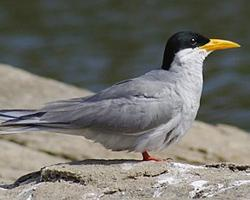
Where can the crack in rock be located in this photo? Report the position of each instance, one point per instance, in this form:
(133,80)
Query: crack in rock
(146,174)
(230,166)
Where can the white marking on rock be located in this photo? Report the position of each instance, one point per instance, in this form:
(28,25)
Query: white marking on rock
(162,182)
(198,186)
(157,193)
(92,196)
(127,166)
(241,182)
(28,193)
(185,167)
(30,197)
(211,190)
(231,186)
(220,185)
(177,175)
(166,178)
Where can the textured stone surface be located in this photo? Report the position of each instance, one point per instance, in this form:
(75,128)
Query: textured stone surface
(131,179)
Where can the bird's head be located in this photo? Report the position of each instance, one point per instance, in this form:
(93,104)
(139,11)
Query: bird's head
(191,47)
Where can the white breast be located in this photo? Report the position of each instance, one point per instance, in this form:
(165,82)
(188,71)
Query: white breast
(188,64)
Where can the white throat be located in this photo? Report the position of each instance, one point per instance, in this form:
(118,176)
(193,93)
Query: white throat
(188,67)
(189,60)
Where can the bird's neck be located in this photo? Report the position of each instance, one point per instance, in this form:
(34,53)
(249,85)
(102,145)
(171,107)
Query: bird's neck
(189,62)
(188,67)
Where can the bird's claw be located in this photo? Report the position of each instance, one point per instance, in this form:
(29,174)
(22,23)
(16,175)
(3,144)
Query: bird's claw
(147,157)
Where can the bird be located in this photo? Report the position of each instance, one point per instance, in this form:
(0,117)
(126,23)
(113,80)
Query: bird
(141,114)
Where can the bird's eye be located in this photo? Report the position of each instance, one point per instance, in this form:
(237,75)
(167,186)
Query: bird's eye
(193,41)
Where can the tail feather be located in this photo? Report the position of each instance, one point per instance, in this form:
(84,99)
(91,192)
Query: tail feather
(32,118)
(13,114)
(14,121)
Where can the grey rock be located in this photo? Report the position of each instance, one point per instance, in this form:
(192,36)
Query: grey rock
(16,160)
(132,179)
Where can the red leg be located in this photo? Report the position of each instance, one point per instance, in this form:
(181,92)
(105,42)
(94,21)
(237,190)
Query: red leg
(147,157)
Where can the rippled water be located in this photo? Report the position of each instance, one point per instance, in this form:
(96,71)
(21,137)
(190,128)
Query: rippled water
(93,44)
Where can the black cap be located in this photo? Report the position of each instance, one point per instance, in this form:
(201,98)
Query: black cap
(179,41)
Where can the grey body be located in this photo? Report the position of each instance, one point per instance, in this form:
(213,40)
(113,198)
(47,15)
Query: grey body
(145,113)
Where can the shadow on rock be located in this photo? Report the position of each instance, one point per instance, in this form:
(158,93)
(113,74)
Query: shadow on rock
(104,162)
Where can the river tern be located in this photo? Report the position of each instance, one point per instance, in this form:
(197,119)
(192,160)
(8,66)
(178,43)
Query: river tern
(142,114)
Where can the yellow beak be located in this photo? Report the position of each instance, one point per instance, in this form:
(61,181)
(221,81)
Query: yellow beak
(216,44)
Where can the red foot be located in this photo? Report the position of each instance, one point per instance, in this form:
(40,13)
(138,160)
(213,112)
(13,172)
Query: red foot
(147,157)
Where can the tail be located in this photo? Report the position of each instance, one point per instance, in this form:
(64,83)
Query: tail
(15,121)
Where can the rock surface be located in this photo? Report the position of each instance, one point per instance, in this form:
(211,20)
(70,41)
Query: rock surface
(25,153)
(131,179)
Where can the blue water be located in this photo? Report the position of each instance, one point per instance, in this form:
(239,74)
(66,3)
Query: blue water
(93,44)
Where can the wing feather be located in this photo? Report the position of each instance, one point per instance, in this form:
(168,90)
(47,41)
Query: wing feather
(127,108)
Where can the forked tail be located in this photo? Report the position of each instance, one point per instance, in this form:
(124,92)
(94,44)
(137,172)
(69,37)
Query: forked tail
(14,121)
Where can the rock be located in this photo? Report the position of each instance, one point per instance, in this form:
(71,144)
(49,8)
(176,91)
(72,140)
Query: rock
(17,160)
(132,179)
(24,153)
(20,89)
(206,143)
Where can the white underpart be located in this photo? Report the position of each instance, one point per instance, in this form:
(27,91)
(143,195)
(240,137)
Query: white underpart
(188,64)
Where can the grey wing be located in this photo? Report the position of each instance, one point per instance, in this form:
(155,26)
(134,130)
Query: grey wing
(122,117)
(131,107)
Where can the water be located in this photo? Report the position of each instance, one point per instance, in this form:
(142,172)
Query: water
(93,44)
